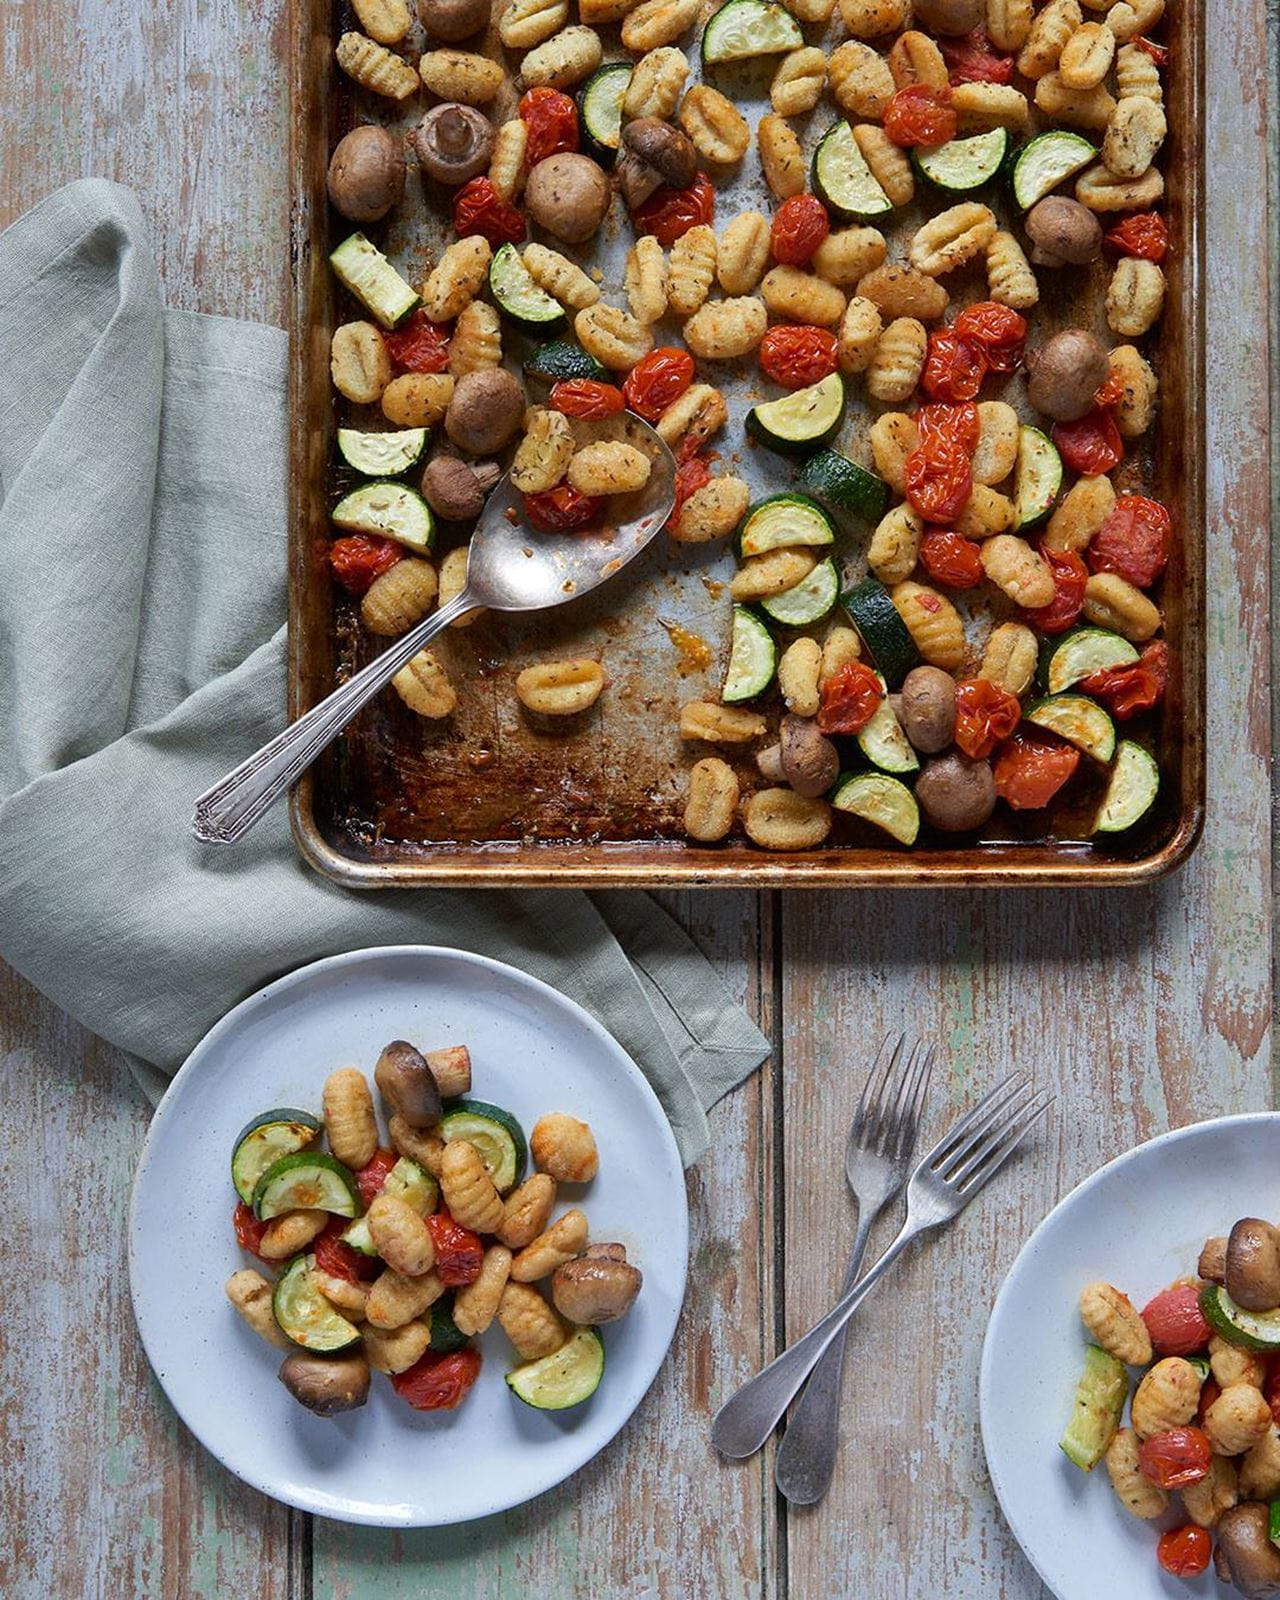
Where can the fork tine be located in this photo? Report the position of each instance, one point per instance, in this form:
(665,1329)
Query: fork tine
(987,1131)
(910,1129)
(871,1102)
(954,1136)
(905,1120)
(1001,1152)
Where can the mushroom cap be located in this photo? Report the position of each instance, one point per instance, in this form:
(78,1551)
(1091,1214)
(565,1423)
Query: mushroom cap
(668,151)
(453,142)
(1064,232)
(327,1385)
(406,1082)
(1253,1265)
(595,1289)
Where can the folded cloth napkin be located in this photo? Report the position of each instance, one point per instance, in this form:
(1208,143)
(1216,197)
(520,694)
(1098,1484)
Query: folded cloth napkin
(142,547)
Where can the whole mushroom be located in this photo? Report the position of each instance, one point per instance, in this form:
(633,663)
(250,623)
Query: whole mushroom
(810,762)
(568,195)
(456,491)
(408,1085)
(653,152)
(950,16)
(1063,232)
(366,174)
(1066,373)
(1253,1264)
(452,20)
(928,708)
(600,1286)
(955,793)
(453,143)
(327,1385)
(486,410)
(1245,1554)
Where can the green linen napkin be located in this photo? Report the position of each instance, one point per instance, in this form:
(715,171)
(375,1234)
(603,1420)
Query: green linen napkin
(142,547)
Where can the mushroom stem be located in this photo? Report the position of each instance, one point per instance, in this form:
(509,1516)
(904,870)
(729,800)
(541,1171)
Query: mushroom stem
(452,131)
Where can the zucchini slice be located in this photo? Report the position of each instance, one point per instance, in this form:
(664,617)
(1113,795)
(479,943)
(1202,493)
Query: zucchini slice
(844,486)
(883,631)
(813,598)
(881,800)
(1096,1409)
(366,273)
(1037,478)
(1082,651)
(446,1335)
(781,521)
(382,455)
(1135,782)
(843,181)
(569,1375)
(308,1180)
(518,297)
(1251,1330)
(1043,163)
(262,1142)
(600,106)
(1080,721)
(963,165)
(305,1316)
(745,28)
(884,743)
(802,420)
(496,1135)
(406,1181)
(753,658)
(559,361)
(391,509)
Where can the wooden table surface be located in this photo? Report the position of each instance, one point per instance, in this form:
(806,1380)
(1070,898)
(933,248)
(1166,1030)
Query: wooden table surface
(1145,1010)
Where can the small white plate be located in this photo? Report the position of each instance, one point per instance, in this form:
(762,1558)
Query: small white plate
(1139,1223)
(532,1051)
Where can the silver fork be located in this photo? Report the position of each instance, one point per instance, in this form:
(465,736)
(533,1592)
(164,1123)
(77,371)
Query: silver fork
(877,1157)
(962,1162)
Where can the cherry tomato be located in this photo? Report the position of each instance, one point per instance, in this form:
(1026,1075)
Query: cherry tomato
(1185,1552)
(551,122)
(358,559)
(1091,445)
(479,208)
(1069,576)
(692,473)
(920,116)
(249,1230)
(850,698)
(797,356)
(1111,392)
(986,714)
(938,480)
(586,397)
(418,345)
(562,509)
(1133,541)
(1270,1387)
(800,224)
(438,1382)
(669,213)
(954,368)
(1157,52)
(459,1252)
(339,1259)
(950,559)
(1175,1457)
(956,420)
(1175,1321)
(657,380)
(972,60)
(1130,690)
(1030,771)
(372,1176)
(1142,234)
(1001,334)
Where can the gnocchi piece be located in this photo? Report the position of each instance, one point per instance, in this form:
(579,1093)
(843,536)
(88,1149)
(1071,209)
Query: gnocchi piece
(898,291)
(461,75)
(290,1233)
(895,544)
(860,79)
(1080,514)
(781,157)
(1136,408)
(996,452)
(1048,37)
(1113,1322)
(712,512)
(723,330)
(1080,108)
(702,719)
(1111,601)
(376,68)
(561,278)
(476,1305)
(1230,1364)
(916,58)
(1101,190)
(396,1298)
(559,689)
(359,362)
(742,253)
(598,12)
(773,573)
(656,22)
(385,21)
(781,819)
(609,467)
(1260,1470)
(1019,571)
(565,1148)
(420,1144)
(1130,18)
(347,1108)
(563,1240)
(250,1293)
(860,331)
(712,800)
(691,270)
(700,410)
(892,438)
(526,23)
(985,513)
(477,340)
(527,1210)
(811,10)
(614,338)
(1237,1419)
(394,601)
(467,1188)
(716,128)
(656,84)
(534,1327)
(1008,23)
(353,1298)
(1137,74)
(990,105)
(889,165)
(1136,1493)
(646,280)
(562,60)
(542,457)
(1167,1397)
(395,1349)
(869,19)
(1010,279)
(849,254)
(456,279)
(417,399)
(898,361)
(799,81)
(933,623)
(507,162)
(1087,56)
(1010,657)
(1215,1493)
(952,237)
(798,670)
(1135,297)
(839,648)
(799,296)
(400,1235)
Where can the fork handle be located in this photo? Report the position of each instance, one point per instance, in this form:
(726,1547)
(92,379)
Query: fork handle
(807,1454)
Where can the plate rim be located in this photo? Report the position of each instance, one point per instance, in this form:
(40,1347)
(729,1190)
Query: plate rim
(261,997)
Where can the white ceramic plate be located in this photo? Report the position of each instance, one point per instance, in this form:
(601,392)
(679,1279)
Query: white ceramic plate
(1139,1223)
(532,1051)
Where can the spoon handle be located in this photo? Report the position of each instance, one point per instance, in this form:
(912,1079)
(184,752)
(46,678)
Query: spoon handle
(232,806)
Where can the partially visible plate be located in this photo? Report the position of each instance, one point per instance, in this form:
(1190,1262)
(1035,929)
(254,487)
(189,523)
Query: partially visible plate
(1139,1223)
(533,1051)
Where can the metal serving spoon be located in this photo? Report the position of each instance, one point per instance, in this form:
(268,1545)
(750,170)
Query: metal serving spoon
(510,569)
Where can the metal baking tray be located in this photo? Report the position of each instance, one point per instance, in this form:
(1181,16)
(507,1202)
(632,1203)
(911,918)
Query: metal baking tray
(490,800)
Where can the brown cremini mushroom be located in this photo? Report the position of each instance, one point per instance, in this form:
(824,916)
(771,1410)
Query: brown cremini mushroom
(568,195)
(486,410)
(1066,373)
(1253,1264)
(366,174)
(1212,1265)
(1245,1555)
(955,793)
(407,1084)
(453,143)
(597,1287)
(456,491)
(653,152)
(810,762)
(452,20)
(327,1385)
(1063,232)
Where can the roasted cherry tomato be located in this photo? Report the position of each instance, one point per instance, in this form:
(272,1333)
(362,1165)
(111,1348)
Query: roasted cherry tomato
(1130,690)
(850,698)
(937,478)
(1270,1387)
(692,473)
(1175,1321)
(357,559)
(438,1382)
(1112,390)
(1175,1457)
(954,368)
(920,116)
(657,380)
(586,398)
(1142,234)
(1030,771)
(371,1177)
(418,345)
(956,420)
(972,60)
(1001,334)
(986,714)
(950,559)
(1091,445)
(562,509)
(551,123)
(800,224)
(1133,541)
(249,1230)
(459,1252)
(1157,52)
(1185,1552)
(479,208)
(797,356)
(339,1259)
(669,213)
(1069,577)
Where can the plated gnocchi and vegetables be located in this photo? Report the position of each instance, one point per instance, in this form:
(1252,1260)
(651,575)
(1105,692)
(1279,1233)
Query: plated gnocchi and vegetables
(1201,1450)
(396,1257)
(949,599)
